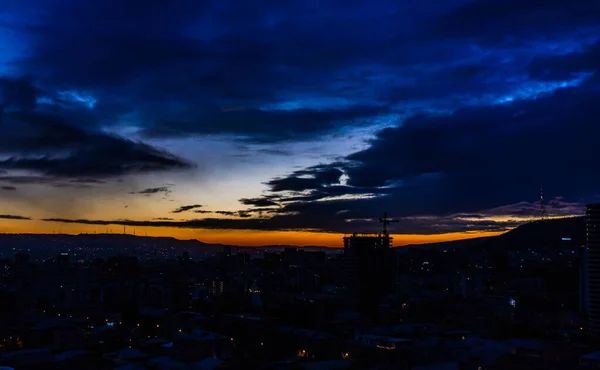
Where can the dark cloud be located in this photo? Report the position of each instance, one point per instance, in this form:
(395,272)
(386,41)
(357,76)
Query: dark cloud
(130,44)
(471,216)
(348,216)
(422,225)
(565,67)
(150,191)
(8,188)
(262,211)
(258,202)
(331,192)
(458,168)
(279,152)
(163,219)
(465,87)
(275,223)
(495,20)
(88,181)
(294,183)
(455,162)
(213,67)
(125,39)
(40,132)
(443,225)
(186,208)
(556,207)
(226,213)
(49,144)
(242,214)
(58,182)
(13,217)
(260,126)
(108,157)
(456,84)
(311,178)
(17,94)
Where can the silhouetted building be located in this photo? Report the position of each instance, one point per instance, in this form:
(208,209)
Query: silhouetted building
(21,259)
(583,279)
(217,287)
(63,259)
(369,269)
(592,272)
(290,256)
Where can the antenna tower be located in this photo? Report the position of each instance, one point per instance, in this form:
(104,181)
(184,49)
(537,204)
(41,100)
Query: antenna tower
(386,221)
(543,212)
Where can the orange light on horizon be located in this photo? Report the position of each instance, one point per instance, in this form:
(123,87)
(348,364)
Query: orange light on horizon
(251,238)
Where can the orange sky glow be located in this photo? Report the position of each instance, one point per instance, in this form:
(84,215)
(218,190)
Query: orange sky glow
(233,237)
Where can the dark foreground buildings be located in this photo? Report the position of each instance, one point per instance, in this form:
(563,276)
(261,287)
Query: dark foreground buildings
(592,270)
(507,302)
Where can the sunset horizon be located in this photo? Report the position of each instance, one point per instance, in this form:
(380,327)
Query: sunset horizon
(206,119)
(245,238)
(438,160)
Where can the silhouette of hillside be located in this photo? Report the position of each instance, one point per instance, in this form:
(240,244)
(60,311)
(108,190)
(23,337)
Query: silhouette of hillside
(540,234)
(537,234)
(119,241)
(463,243)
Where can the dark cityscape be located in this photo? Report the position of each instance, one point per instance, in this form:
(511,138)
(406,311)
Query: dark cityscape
(524,299)
(299,184)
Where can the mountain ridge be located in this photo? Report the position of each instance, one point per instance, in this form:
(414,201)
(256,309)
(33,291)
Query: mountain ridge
(536,233)
(539,233)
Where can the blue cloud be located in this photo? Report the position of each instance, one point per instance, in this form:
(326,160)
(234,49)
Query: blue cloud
(464,105)
(196,68)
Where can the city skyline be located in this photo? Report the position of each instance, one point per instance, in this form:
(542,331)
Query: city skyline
(296,122)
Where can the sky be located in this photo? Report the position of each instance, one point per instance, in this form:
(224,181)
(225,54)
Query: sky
(295,122)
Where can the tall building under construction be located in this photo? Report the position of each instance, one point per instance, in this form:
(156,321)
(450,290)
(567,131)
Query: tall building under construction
(369,268)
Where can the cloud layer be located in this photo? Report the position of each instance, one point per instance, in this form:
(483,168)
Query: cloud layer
(14,217)
(458,111)
(59,141)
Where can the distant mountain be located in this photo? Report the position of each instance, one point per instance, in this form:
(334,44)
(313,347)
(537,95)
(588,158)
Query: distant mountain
(126,242)
(449,244)
(118,238)
(537,234)
(104,244)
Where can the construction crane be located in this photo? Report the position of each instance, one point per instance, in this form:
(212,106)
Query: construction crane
(386,221)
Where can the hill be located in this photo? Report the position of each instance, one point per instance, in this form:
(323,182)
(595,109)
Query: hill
(536,234)
(541,234)
(116,243)
(450,244)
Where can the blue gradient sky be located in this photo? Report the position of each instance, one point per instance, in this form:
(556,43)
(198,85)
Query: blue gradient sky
(299,119)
